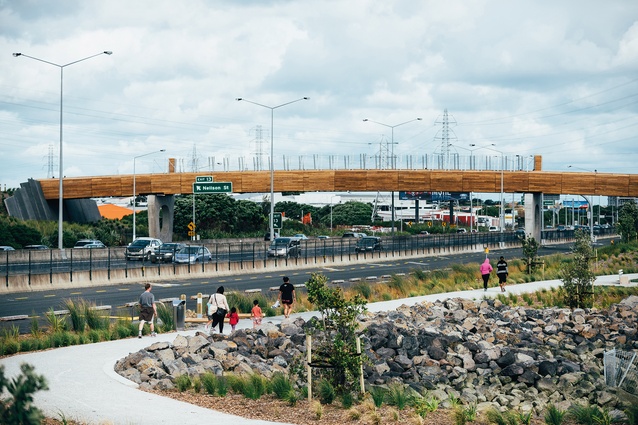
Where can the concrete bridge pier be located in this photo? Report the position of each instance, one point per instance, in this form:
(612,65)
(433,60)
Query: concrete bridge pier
(533,215)
(161,213)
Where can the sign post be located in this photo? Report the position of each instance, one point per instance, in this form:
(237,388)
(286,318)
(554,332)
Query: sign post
(217,187)
(276,220)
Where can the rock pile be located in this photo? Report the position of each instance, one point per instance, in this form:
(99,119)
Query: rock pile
(481,351)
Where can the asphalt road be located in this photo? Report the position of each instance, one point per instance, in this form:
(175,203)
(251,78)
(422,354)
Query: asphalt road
(38,303)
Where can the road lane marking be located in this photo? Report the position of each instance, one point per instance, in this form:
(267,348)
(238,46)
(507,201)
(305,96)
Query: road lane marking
(75,293)
(49,296)
(123,289)
(100,291)
(21,298)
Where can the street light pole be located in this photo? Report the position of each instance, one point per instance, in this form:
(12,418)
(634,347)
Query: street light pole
(134,189)
(272,158)
(392,162)
(61,167)
(591,206)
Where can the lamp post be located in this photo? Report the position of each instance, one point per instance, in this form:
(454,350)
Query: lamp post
(392,162)
(272,158)
(134,189)
(61,168)
(591,206)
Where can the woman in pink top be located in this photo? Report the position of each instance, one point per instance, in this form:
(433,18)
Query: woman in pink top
(486,269)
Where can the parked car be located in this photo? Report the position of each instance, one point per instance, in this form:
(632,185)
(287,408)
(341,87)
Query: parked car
(300,236)
(35,247)
(141,248)
(6,248)
(166,251)
(192,254)
(89,243)
(368,244)
(285,247)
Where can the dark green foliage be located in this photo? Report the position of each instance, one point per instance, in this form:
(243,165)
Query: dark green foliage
(18,409)
(326,391)
(165,314)
(183,383)
(632,414)
(222,386)
(209,382)
(347,400)
(364,289)
(378,395)
(627,224)
(584,415)
(530,253)
(76,314)
(501,418)
(398,396)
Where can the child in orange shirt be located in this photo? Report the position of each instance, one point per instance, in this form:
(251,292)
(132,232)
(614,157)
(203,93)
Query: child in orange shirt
(233,318)
(256,314)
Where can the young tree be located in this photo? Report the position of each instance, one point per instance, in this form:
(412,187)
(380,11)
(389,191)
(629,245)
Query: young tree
(530,253)
(18,408)
(628,222)
(577,276)
(335,332)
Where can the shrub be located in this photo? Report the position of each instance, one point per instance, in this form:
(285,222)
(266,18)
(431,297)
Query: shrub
(291,397)
(281,385)
(364,289)
(327,392)
(209,382)
(222,386)
(378,395)
(18,409)
(165,314)
(197,384)
(584,415)
(183,383)
(347,400)
(496,417)
(554,416)
(56,323)
(398,396)
(76,314)
(254,387)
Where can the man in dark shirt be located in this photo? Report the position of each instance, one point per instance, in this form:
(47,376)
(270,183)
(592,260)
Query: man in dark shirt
(502,272)
(287,296)
(148,311)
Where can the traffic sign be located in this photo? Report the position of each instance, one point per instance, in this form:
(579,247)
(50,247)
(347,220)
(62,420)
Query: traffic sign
(191,226)
(191,233)
(276,220)
(204,179)
(218,187)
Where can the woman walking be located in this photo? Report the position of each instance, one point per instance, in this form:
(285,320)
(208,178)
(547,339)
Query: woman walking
(486,269)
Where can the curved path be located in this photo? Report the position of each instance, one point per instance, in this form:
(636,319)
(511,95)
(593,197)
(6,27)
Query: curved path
(84,387)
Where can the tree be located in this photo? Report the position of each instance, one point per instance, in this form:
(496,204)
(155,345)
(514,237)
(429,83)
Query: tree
(530,253)
(576,274)
(18,409)
(350,213)
(335,332)
(628,222)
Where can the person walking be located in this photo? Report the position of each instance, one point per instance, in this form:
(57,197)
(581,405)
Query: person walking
(287,296)
(217,309)
(486,269)
(256,314)
(233,318)
(148,310)
(502,273)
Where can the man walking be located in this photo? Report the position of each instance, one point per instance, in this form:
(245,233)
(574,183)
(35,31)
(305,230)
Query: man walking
(287,296)
(502,272)
(148,311)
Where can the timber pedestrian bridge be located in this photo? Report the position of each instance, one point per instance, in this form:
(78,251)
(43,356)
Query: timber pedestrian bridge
(162,187)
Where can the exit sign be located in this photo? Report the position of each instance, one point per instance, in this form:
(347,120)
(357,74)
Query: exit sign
(204,179)
(219,187)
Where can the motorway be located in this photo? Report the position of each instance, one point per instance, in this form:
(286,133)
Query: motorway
(37,303)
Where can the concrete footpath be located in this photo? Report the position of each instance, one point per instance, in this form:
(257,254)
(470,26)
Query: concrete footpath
(83,386)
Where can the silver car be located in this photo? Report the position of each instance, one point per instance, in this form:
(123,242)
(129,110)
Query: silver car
(192,255)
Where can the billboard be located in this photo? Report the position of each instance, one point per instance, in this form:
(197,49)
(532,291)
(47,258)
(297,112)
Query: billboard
(435,196)
(575,204)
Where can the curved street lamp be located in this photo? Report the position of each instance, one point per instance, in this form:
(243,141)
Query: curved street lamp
(272,158)
(134,189)
(61,168)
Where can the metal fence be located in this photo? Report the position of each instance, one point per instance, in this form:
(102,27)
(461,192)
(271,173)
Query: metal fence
(108,263)
(620,370)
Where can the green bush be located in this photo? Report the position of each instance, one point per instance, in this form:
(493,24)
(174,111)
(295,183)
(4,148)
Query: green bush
(10,346)
(165,314)
(398,396)
(506,418)
(584,415)
(347,400)
(18,409)
(327,392)
(209,382)
(222,386)
(281,385)
(183,383)
(76,314)
(554,416)
(378,395)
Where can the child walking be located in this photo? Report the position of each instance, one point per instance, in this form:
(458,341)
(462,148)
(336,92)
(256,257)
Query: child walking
(256,314)
(233,318)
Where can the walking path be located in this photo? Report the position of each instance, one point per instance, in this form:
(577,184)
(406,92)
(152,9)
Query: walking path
(84,387)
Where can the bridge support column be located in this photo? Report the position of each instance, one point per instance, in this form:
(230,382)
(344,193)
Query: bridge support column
(533,211)
(161,210)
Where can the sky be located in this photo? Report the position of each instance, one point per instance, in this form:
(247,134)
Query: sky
(552,78)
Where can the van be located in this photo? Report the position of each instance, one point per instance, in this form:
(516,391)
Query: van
(285,247)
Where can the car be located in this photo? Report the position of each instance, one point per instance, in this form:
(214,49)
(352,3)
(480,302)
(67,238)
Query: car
(7,248)
(36,247)
(141,248)
(166,251)
(424,232)
(520,232)
(267,236)
(352,235)
(192,254)
(368,244)
(323,237)
(92,243)
(493,229)
(285,247)
(300,236)
(461,230)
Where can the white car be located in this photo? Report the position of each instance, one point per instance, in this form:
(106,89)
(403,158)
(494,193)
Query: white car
(141,248)
(493,229)
(6,248)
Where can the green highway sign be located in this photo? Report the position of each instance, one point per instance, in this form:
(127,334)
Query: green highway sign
(218,187)
(204,179)
(276,220)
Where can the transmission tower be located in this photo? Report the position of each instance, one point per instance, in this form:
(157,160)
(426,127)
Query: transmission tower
(259,147)
(194,159)
(50,162)
(444,136)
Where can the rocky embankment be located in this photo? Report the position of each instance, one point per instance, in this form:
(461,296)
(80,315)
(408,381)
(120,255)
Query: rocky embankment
(481,351)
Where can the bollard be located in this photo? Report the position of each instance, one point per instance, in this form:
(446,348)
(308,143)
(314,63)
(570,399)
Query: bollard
(199,305)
